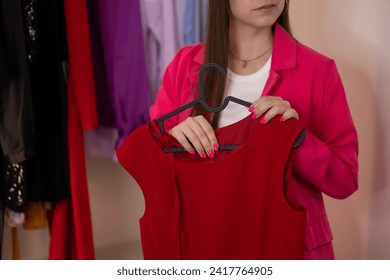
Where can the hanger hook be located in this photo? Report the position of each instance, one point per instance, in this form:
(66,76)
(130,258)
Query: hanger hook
(201,86)
(200,77)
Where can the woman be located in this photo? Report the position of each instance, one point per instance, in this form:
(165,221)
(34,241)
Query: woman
(281,77)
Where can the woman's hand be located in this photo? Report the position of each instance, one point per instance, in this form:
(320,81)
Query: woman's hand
(198,132)
(271,106)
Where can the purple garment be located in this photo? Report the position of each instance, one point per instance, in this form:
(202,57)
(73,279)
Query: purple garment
(100,142)
(161,32)
(124,58)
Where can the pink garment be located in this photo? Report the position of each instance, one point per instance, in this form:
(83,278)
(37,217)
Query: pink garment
(327,160)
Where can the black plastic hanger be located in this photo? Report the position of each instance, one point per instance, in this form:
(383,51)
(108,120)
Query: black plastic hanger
(202,100)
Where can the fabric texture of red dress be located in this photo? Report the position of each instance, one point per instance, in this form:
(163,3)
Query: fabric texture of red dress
(232,206)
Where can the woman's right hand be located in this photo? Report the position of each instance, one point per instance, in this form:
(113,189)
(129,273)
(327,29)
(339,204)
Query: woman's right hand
(198,132)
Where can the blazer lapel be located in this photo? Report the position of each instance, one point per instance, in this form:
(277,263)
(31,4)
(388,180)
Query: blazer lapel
(284,57)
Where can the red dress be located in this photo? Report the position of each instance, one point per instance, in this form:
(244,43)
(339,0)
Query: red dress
(232,206)
(71,225)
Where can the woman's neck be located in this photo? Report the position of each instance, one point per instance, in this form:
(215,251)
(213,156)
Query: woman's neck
(249,48)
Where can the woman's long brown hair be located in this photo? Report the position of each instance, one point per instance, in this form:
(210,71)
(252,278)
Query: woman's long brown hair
(216,50)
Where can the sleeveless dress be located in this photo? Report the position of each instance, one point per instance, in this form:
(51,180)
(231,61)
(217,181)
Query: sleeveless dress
(232,206)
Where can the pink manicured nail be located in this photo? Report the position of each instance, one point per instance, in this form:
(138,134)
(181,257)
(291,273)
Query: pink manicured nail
(211,154)
(203,155)
(192,152)
(216,148)
(254,116)
(263,121)
(251,109)
(282,119)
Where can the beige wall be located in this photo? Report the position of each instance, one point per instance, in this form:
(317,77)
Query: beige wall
(356,34)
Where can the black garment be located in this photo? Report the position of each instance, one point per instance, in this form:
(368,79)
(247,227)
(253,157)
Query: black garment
(1,209)
(16,112)
(4,71)
(47,59)
(1,228)
(17,127)
(30,21)
(15,186)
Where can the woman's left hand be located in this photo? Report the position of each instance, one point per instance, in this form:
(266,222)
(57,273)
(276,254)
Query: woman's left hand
(272,106)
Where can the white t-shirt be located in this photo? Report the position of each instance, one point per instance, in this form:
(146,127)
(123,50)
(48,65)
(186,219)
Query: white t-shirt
(248,88)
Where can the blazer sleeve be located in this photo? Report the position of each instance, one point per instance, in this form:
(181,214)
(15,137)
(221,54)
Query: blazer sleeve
(329,161)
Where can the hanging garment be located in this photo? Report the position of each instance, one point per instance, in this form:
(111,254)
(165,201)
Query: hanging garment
(44,29)
(179,15)
(14,186)
(17,126)
(1,229)
(232,206)
(16,122)
(70,220)
(4,67)
(1,212)
(194,21)
(104,99)
(162,39)
(120,74)
(124,58)
(100,142)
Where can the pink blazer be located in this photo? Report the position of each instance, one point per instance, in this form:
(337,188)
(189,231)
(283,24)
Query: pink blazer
(327,160)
